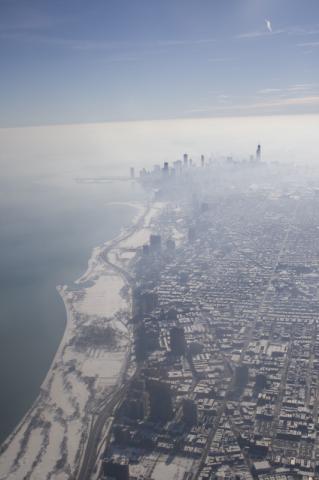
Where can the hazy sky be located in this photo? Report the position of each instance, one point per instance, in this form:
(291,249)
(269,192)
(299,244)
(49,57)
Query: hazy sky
(69,61)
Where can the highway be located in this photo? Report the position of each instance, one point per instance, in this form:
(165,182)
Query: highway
(110,407)
(109,410)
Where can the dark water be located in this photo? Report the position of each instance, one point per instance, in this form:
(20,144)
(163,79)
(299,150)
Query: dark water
(47,232)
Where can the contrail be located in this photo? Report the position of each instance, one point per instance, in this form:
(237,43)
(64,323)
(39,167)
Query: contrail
(268,24)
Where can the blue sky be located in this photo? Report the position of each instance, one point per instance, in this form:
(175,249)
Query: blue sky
(114,60)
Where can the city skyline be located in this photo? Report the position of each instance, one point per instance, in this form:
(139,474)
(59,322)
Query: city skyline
(159,264)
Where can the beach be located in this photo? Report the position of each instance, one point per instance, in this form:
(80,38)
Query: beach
(93,359)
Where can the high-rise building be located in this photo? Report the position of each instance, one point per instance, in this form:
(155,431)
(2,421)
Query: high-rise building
(165,169)
(185,160)
(146,249)
(155,242)
(241,377)
(121,434)
(132,172)
(170,244)
(116,468)
(258,153)
(202,160)
(189,412)
(140,343)
(160,397)
(177,340)
(178,167)
(135,408)
(148,301)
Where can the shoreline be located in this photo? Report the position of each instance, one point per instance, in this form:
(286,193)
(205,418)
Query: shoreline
(58,410)
(59,290)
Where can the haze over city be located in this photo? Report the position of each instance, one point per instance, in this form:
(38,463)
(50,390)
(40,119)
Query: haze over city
(159,275)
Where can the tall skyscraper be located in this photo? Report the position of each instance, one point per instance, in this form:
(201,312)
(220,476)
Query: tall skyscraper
(258,153)
(185,160)
(202,160)
(161,405)
(178,167)
(189,412)
(177,340)
(166,169)
(117,468)
(155,242)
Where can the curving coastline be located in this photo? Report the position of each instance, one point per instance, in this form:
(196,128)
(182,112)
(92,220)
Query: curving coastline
(50,440)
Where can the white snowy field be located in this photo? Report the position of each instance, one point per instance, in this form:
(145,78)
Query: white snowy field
(162,467)
(127,247)
(91,359)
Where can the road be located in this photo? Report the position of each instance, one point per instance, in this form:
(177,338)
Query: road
(110,407)
(249,338)
(89,457)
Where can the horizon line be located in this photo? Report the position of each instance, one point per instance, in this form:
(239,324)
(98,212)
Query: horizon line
(162,120)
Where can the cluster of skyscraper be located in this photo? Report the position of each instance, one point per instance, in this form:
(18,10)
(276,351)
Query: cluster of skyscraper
(183,165)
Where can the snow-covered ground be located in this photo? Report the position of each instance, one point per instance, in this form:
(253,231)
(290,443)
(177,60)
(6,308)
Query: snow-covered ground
(103,297)
(162,467)
(95,350)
